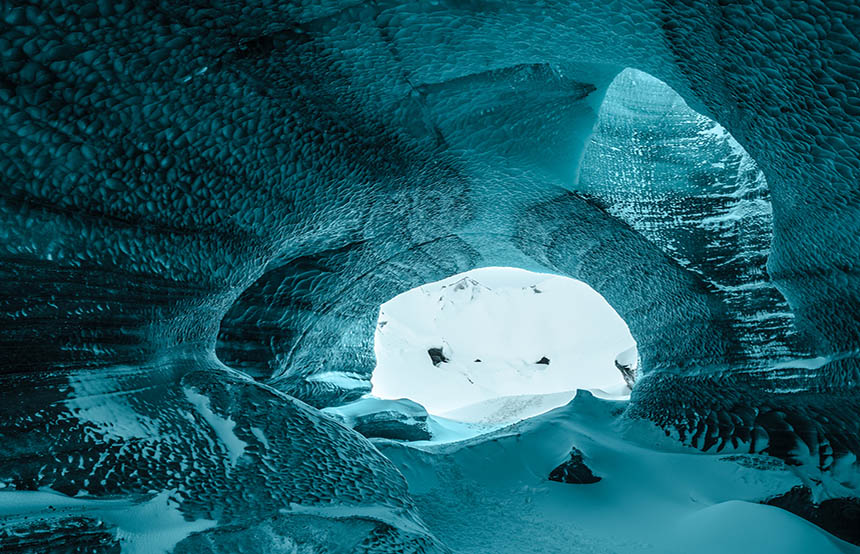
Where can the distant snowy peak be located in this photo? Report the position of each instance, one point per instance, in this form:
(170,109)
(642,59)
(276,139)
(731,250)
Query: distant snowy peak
(466,283)
(469,289)
(465,290)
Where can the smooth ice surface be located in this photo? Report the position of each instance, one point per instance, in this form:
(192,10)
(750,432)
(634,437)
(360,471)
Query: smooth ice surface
(754,528)
(491,493)
(494,326)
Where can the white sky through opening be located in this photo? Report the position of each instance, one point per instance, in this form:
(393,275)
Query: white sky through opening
(494,326)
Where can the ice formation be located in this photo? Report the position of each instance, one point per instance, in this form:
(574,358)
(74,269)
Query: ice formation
(205,204)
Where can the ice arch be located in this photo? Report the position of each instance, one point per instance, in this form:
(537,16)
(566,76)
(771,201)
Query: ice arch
(665,214)
(498,332)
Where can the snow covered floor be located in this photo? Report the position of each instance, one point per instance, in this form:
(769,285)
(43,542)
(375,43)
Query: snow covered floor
(491,493)
(504,410)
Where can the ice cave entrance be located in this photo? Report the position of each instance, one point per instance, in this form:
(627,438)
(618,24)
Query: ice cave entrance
(496,345)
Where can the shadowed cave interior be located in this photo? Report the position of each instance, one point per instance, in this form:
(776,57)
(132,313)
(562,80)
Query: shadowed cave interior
(204,207)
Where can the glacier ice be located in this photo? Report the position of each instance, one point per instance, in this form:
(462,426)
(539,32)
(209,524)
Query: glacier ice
(204,205)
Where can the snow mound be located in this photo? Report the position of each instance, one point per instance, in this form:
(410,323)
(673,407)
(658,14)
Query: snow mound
(509,409)
(737,526)
(496,492)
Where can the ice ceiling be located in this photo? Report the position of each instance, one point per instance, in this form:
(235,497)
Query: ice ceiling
(204,205)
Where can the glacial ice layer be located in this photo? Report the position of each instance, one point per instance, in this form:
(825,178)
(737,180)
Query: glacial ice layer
(203,207)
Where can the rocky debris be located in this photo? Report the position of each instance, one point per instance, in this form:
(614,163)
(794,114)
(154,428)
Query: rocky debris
(54,535)
(574,470)
(756,461)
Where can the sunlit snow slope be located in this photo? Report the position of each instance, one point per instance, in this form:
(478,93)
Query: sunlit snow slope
(502,332)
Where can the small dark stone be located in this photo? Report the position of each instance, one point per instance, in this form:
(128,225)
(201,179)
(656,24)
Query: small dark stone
(574,470)
(477,360)
(256,47)
(437,356)
(543,361)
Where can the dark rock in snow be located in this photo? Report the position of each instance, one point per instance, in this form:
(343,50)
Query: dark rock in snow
(574,470)
(437,356)
(543,361)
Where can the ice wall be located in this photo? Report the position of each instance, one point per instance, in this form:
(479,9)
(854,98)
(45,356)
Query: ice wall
(684,183)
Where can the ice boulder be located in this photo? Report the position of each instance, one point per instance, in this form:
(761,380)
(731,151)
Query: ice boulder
(400,419)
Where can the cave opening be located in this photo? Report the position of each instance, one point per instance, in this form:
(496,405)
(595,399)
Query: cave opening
(487,348)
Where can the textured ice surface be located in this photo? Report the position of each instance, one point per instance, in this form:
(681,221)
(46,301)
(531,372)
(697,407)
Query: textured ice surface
(251,180)
(719,225)
(260,468)
(152,526)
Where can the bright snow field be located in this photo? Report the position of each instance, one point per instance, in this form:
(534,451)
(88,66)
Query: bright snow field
(508,344)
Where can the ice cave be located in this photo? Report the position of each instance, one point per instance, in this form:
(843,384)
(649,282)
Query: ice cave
(210,211)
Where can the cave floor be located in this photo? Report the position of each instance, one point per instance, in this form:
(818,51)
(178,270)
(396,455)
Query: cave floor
(491,493)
